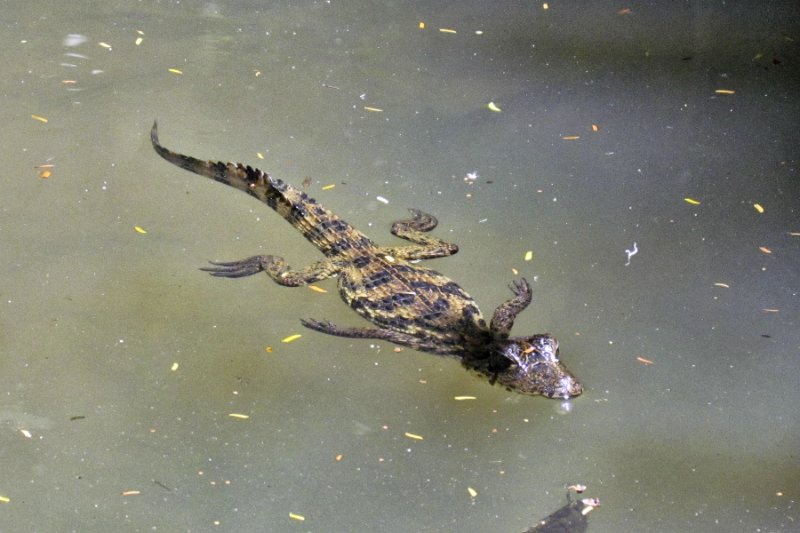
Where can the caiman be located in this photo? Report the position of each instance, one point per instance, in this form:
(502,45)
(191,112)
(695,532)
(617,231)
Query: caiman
(411,305)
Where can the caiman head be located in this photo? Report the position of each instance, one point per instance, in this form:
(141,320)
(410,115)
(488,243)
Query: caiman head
(530,365)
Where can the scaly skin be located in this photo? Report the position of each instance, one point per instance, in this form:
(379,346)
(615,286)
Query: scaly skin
(411,305)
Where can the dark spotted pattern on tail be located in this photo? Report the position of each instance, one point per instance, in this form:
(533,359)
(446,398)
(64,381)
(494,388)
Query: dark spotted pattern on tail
(331,234)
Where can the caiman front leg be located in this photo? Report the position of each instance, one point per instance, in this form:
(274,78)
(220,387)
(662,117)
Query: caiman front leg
(414,230)
(395,337)
(276,268)
(503,318)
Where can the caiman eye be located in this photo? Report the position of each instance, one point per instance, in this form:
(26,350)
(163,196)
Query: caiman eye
(528,348)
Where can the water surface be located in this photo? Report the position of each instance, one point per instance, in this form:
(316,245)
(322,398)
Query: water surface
(121,362)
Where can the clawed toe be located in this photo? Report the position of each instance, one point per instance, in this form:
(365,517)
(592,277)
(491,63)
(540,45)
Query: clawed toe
(227,272)
(420,221)
(230,263)
(235,269)
(520,286)
(323,326)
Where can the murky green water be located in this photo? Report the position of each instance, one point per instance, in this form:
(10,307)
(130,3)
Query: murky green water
(120,362)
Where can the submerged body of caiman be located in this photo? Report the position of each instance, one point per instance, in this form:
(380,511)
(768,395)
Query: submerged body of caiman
(411,305)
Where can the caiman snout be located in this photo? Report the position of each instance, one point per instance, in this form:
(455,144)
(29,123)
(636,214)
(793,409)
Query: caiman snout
(536,368)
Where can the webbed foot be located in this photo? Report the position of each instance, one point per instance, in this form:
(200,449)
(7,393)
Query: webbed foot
(421,221)
(503,318)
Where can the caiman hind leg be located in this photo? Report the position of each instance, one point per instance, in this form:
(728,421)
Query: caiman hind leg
(414,230)
(395,337)
(504,315)
(276,268)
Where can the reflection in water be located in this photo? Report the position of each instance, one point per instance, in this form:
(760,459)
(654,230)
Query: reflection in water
(571,518)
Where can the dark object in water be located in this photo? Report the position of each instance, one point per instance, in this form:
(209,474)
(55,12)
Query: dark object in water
(572,518)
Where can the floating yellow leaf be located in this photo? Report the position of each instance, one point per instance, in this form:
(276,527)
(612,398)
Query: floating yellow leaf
(645,361)
(328,187)
(373,109)
(691,201)
(491,106)
(765,250)
(239,416)
(140,229)
(447,30)
(724,91)
(759,208)
(174,367)
(570,137)
(595,127)
(268,349)
(462,398)
(422,25)
(529,255)
(104,45)
(131,492)
(39,118)
(291,338)
(472,492)
(4,499)
(138,41)
(723,285)
(413,436)
(259,155)
(317,289)
(176,71)
(298,517)
(44,174)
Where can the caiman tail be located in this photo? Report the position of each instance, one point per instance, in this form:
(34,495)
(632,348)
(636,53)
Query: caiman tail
(315,222)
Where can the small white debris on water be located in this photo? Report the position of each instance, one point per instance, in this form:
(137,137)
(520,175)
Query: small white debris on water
(74,39)
(631,253)
(472,176)
(382,200)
